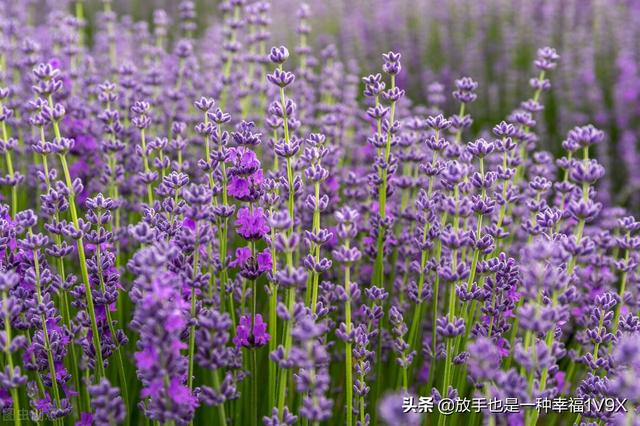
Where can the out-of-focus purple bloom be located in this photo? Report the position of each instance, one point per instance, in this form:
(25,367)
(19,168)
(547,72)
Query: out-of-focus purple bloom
(392,412)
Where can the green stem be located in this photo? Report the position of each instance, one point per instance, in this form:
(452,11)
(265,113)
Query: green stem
(147,169)
(414,332)
(315,276)
(83,269)
(9,357)
(254,387)
(10,171)
(283,376)
(121,374)
(192,329)
(273,319)
(448,367)
(348,354)
(222,238)
(623,284)
(290,200)
(382,199)
(47,343)
(221,413)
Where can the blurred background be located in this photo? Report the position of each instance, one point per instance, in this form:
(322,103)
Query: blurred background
(493,41)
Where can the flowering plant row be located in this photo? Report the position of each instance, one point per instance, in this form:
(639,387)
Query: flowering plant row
(234,234)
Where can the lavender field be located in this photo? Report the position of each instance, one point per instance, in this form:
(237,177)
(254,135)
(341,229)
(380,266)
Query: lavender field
(243,212)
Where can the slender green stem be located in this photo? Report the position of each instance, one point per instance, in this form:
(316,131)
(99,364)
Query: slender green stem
(222,237)
(382,198)
(291,190)
(47,341)
(414,332)
(273,319)
(436,285)
(387,152)
(83,270)
(282,381)
(121,373)
(9,358)
(283,376)
(10,171)
(315,249)
(448,367)
(254,388)
(461,341)
(147,169)
(222,417)
(461,116)
(347,351)
(623,284)
(192,328)
(448,363)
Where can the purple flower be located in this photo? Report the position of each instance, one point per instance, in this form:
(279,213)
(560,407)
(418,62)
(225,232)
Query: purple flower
(245,174)
(44,404)
(86,419)
(181,394)
(250,335)
(238,187)
(8,227)
(278,55)
(251,224)
(242,255)
(241,186)
(107,404)
(146,358)
(189,223)
(153,389)
(175,321)
(160,319)
(246,163)
(392,412)
(265,262)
